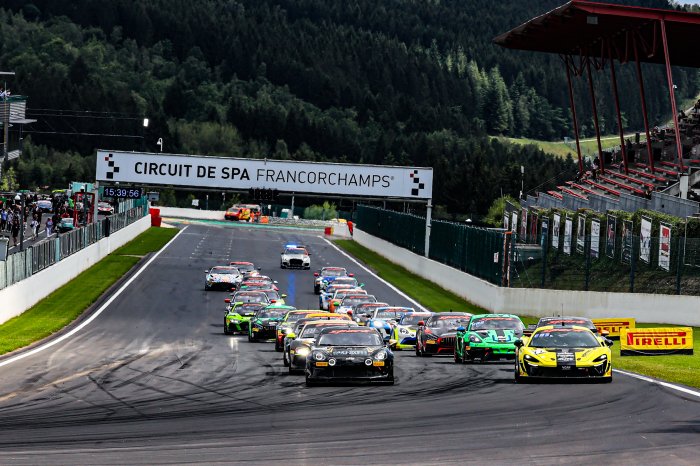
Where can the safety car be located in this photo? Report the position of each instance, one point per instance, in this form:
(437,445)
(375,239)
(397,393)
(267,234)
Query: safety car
(295,256)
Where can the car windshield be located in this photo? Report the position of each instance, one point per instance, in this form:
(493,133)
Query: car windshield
(295,251)
(310,331)
(272,313)
(291,318)
(448,321)
(389,314)
(272,294)
(224,271)
(246,310)
(564,338)
(496,323)
(334,273)
(350,337)
(358,300)
(251,298)
(566,321)
(412,319)
(245,267)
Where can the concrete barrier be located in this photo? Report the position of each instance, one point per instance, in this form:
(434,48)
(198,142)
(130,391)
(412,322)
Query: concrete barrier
(661,308)
(178,212)
(17,298)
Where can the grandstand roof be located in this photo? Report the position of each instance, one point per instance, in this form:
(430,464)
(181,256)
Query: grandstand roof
(581,27)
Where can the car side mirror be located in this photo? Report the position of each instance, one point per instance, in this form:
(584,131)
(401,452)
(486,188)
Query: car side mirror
(273,301)
(362,285)
(351,275)
(421,323)
(291,335)
(604,333)
(519,343)
(283,295)
(608,342)
(461,329)
(259,268)
(227,300)
(368,315)
(206,271)
(315,274)
(349,312)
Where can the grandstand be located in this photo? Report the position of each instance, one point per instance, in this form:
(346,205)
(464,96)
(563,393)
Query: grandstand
(657,169)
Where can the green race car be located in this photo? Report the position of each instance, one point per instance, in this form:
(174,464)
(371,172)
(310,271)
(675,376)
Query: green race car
(263,325)
(238,316)
(488,337)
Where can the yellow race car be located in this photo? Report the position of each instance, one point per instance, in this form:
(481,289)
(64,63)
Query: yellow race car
(563,351)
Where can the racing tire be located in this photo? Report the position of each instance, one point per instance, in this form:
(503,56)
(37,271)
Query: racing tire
(278,348)
(282,266)
(310,382)
(307,268)
(292,371)
(206,287)
(418,350)
(250,338)
(317,290)
(606,380)
(517,378)
(285,361)
(226,330)
(458,360)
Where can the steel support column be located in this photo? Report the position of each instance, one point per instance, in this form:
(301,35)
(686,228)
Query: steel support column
(616,98)
(428,226)
(573,114)
(601,162)
(642,96)
(669,77)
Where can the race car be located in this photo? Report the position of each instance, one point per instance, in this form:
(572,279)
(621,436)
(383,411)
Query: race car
(295,256)
(299,325)
(221,277)
(261,279)
(286,324)
(247,269)
(437,334)
(362,312)
(272,295)
(488,337)
(349,354)
(326,276)
(105,208)
(300,346)
(248,297)
(263,325)
(563,351)
(580,321)
(327,294)
(339,295)
(352,300)
(403,335)
(238,317)
(381,316)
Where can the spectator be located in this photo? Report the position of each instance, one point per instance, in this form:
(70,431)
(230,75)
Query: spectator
(15,229)
(49,226)
(34,224)
(3,219)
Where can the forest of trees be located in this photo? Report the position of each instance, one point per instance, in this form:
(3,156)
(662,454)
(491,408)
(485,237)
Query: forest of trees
(393,82)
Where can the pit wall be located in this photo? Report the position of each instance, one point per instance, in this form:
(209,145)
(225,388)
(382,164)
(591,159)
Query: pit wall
(654,308)
(179,212)
(17,298)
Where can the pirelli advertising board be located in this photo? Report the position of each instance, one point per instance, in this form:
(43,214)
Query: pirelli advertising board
(613,326)
(235,173)
(658,340)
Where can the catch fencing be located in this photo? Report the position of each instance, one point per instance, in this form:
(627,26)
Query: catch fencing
(477,251)
(47,252)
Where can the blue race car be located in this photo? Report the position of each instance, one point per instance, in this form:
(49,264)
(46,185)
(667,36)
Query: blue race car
(326,276)
(384,319)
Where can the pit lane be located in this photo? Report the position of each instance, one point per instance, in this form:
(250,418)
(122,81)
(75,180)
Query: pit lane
(154,380)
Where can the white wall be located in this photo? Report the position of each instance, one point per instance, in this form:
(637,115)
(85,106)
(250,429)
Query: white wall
(17,298)
(671,309)
(179,212)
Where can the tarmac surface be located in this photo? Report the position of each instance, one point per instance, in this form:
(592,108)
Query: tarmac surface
(153,380)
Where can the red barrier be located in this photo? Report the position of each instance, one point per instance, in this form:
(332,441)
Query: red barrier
(327,231)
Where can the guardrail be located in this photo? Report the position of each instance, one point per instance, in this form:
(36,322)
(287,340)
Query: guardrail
(45,253)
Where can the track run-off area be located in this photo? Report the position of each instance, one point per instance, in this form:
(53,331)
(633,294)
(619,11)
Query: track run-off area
(152,379)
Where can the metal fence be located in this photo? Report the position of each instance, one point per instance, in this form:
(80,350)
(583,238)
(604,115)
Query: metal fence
(47,252)
(477,251)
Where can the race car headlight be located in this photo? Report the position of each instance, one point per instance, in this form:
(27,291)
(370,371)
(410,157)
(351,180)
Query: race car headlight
(380,355)
(475,339)
(404,331)
(318,356)
(529,358)
(303,351)
(601,358)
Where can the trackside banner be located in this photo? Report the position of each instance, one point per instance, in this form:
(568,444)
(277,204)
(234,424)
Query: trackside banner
(658,340)
(613,326)
(235,173)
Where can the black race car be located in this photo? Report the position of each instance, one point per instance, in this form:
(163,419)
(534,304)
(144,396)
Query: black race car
(349,354)
(437,334)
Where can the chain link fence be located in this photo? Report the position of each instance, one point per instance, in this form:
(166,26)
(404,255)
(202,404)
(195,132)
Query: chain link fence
(47,252)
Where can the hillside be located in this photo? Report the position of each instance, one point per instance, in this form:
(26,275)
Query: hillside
(400,81)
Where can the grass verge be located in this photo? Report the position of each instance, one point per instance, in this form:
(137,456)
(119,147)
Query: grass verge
(69,301)
(683,369)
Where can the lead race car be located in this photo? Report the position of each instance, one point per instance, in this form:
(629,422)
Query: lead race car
(349,354)
(223,277)
(563,352)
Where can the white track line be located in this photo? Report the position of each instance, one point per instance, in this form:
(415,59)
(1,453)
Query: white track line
(685,390)
(415,303)
(629,374)
(94,314)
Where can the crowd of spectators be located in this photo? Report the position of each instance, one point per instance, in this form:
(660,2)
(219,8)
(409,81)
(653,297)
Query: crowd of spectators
(14,219)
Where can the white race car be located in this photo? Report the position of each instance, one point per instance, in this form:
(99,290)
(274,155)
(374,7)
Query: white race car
(222,277)
(295,257)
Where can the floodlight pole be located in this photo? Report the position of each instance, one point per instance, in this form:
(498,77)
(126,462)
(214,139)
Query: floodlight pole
(5,117)
(669,77)
(623,149)
(595,114)
(640,79)
(428,224)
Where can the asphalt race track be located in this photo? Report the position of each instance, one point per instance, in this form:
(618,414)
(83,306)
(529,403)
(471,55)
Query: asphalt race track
(153,380)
